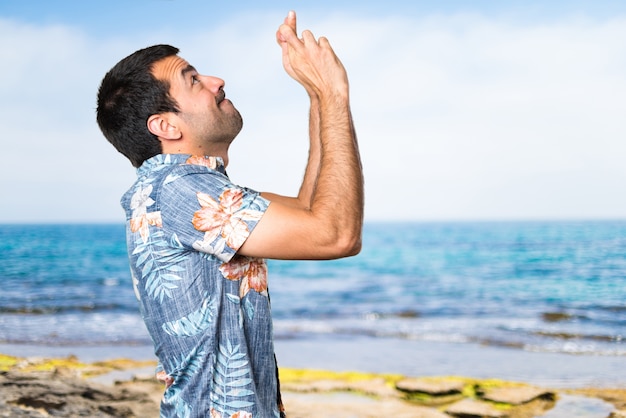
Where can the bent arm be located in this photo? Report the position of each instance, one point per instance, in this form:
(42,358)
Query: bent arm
(330,225)
(305,194)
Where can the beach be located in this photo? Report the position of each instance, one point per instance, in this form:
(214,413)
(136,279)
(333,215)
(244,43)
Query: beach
(126,390)
(353,377)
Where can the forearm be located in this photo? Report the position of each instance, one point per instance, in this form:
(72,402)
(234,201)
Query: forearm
(304,199)
(331,227)
(307,189)
(338,195)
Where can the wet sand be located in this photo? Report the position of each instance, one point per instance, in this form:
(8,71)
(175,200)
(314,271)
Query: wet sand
(397,356)
(425,358)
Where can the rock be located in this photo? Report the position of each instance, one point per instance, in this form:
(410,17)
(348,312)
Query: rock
(41,394)
(434,387)
(470,408)
(618,414)
(517,395)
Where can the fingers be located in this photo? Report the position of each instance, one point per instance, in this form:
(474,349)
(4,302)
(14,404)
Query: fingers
(307,37)
(289,22)
(310,61)
(286,35)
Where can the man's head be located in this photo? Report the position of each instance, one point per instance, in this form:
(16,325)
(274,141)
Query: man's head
(129,94)
(205,122)
(153,101)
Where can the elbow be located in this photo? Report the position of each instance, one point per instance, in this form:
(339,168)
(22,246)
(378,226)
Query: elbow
(348,245)
(353,247)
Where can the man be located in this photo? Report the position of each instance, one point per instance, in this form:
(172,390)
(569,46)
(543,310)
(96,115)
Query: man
(197,242)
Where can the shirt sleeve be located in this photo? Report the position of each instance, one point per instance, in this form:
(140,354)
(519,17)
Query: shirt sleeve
(204,211)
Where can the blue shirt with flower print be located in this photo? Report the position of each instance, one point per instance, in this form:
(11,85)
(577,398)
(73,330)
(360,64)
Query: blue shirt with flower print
(206,308)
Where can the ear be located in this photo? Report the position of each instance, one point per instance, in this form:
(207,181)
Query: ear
(164,126)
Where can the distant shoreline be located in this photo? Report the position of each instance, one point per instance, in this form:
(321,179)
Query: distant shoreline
(405,357)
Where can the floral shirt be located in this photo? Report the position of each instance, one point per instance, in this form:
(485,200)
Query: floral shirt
(206,308)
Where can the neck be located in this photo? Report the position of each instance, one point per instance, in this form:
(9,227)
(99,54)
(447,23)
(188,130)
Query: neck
(214,151)
(219,152)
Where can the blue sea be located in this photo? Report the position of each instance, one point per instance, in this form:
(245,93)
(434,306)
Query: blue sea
(534,287)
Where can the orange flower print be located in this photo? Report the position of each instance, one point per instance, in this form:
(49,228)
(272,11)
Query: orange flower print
(223,220)
(140,219)
(163,377)
(235,231)
(209,218)
(141,224)
(208,162)
(241,414)
(251,271)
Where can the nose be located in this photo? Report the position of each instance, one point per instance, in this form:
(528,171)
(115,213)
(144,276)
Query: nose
(213,83)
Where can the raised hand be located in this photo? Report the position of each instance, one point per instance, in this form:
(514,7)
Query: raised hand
(325,219)
(312,62)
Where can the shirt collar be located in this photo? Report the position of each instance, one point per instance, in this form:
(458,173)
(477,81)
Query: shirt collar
(162,160)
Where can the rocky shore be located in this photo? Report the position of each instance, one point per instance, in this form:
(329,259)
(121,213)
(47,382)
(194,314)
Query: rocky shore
(37,387)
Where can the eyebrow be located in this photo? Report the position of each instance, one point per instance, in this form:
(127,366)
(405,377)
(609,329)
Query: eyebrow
(188,69)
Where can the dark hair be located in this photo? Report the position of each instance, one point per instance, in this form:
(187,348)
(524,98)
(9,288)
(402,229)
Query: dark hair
(128,95)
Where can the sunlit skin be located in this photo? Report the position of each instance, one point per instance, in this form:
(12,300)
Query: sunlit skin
(207,121)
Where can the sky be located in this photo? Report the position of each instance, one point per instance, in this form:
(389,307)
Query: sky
(465,110)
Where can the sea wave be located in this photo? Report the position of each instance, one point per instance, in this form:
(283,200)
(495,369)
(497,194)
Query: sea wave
(61,309)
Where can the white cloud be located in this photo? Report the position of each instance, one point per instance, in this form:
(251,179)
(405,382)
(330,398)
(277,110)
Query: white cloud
(478,118)
(458,116)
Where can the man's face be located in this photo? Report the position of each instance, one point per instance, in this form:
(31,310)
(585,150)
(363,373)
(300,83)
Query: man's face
(206,116)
